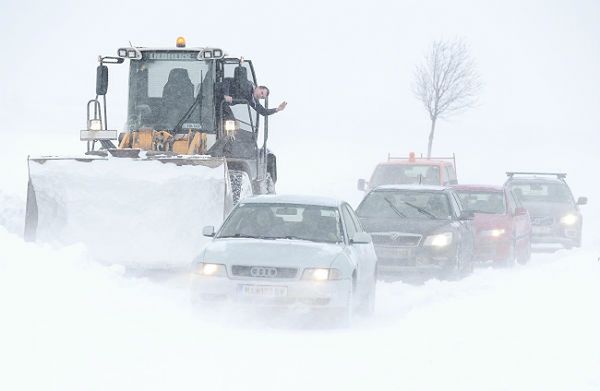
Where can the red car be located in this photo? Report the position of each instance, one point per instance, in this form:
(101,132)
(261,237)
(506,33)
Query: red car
(502,227)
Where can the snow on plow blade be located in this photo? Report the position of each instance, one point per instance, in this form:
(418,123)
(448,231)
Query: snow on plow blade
(145,213)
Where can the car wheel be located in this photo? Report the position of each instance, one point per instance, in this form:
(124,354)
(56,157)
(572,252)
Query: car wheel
(525,256)
(342,317)
(511,258)
(367,305)
(457,268)
(578,241)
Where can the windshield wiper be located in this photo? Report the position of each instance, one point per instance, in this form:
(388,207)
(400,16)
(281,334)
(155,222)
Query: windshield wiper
(197,101)
(421,210)
(391,204)
(240,236)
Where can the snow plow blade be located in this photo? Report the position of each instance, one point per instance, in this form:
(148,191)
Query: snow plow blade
(140,212)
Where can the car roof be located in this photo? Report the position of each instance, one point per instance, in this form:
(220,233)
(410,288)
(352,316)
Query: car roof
(478,187)
(293,199)
(412,187)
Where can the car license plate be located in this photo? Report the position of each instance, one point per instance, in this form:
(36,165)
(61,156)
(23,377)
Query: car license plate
(263,291)
(541,230)
(394,252)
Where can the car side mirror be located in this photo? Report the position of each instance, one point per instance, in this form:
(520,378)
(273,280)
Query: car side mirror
(101,80)
(209,231)
(582,201)
(466,215)
(361,238)
(520,211)
(361,185)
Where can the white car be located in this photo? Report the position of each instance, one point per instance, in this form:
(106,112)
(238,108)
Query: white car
(277,250)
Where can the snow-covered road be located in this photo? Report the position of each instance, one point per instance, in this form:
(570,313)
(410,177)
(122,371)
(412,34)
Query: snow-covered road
(67,323)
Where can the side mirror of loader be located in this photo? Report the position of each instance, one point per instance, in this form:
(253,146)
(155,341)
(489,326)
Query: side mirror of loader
(361,185)
(209,231)
(101,80)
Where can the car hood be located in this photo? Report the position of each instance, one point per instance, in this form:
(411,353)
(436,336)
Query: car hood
(542,209)
(412,226)
(485,221)
(275,253)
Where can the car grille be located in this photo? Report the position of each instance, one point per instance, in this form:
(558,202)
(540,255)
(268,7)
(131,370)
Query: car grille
(396,239)
(542,220)
(263,271)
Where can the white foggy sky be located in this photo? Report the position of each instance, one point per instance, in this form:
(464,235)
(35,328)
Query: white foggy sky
(345,68)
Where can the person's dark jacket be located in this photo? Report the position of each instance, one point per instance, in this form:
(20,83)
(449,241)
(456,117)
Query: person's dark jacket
(243,90)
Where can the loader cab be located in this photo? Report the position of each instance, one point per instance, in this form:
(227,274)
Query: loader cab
(163,85)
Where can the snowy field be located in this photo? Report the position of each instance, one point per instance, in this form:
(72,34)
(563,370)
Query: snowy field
(69,323)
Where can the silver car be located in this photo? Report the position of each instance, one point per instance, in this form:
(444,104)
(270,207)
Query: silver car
(289,251)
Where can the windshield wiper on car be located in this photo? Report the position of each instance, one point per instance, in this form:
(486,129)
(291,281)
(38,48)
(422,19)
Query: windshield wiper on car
(421,210)
(240,236)
(391,204)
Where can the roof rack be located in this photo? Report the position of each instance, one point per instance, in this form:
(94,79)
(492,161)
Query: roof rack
(560,175)
(411,157)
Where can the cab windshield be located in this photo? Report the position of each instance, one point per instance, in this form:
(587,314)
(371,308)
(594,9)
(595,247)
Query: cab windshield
(400,174)
(164,85)
(283,221)
(416,205)
(482,201)
(542,192)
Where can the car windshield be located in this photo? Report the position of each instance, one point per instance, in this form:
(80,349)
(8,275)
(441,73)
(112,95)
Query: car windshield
(283,221)
(482,201)
(404,204)
(163,85)
(401,174)
(542,192)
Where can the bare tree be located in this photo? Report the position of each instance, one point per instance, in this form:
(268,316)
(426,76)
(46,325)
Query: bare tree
(446,82)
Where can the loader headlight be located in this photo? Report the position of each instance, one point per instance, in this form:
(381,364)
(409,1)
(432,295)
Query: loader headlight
(439,240)
(95,124)
(122,52)
(494,233)
(229,125)
(321,274)
(569,219)
(211,270)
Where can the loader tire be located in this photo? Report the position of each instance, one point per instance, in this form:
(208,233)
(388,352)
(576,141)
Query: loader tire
(31,215)
(267,186)
(240,185)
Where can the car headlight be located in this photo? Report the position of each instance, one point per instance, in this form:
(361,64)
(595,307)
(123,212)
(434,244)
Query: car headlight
(321,274)
(439,240)
(494,233)
(211,270)
(569,219)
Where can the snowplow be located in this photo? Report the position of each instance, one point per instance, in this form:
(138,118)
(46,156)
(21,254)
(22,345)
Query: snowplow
(140,197)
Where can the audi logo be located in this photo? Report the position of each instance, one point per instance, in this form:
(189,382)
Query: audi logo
(264,272)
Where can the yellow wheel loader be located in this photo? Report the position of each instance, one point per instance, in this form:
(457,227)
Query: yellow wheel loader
(141,197)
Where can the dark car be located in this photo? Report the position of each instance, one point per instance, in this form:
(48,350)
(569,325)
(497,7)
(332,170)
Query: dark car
(418,231)
(502,226)
(555,215)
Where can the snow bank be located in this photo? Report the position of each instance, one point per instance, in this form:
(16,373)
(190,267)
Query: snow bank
(130,212)
(12,213)
(70,324)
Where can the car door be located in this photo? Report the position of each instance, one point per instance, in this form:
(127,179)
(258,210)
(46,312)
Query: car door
(363,253)
(520,221)
(464,227)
